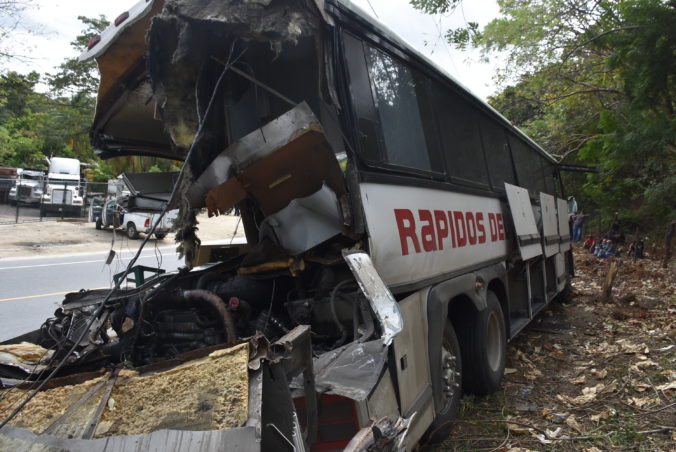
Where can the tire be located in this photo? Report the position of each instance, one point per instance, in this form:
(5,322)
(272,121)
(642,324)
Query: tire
(451,384)
(483,341)
(99,223)
(132,232)
(161,235)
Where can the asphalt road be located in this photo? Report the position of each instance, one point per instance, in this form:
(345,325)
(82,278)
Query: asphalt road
(32,288)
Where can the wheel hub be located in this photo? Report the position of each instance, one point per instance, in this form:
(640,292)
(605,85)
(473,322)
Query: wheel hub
(450,374)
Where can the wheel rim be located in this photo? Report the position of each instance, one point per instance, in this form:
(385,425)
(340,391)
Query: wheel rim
(494,342)
(450,375)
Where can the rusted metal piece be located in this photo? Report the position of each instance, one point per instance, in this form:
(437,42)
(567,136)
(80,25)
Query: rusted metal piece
(219,305)
(300,360)
(382,435)
(91,428)
(286,159)
(294,266)
(294,352)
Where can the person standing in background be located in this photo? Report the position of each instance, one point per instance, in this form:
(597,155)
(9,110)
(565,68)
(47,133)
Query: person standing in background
(578,222)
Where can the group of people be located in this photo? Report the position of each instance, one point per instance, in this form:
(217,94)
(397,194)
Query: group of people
(604,248)
(607,246)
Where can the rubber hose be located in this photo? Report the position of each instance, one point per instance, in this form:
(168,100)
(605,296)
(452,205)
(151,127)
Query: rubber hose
(217,303)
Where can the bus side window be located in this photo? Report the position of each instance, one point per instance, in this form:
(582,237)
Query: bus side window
(394,117)
(500,169)
(461,141)
(360,88)
(528,164)
(397,91)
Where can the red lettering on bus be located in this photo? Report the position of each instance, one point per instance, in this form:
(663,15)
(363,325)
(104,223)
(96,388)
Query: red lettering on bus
(459,220)
(481,236)
(427,230)
(471,228)
(441,224)
(406,227)
(493,226)
(501,226)
(451,228)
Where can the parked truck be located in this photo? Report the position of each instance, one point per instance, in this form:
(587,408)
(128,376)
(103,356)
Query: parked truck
(114,215)
(399,232)
(63,190)
(27,188)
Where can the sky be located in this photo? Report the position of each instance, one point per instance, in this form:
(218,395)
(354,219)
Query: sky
(57,25)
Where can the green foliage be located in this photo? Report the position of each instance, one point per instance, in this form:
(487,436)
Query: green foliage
(435,6)
(592,81)
(75,77)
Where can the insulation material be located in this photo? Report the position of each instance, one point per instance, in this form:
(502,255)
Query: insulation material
(26,352)
(46,406)
(206,394)
(25,356)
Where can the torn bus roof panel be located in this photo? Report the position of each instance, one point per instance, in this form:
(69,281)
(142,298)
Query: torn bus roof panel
(288,158)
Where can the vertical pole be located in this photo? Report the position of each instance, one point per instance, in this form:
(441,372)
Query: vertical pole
(18,186)
(42,198)
(63,198)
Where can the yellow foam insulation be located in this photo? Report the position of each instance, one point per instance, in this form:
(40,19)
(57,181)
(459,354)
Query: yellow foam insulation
(26,352)
(45,407)
(206,394)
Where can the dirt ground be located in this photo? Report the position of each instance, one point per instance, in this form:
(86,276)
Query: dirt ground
(589,375)
(75,236)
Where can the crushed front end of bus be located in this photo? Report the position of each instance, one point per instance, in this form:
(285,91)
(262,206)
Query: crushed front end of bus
(279,343)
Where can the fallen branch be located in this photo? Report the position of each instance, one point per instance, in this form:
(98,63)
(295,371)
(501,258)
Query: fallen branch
(655,411)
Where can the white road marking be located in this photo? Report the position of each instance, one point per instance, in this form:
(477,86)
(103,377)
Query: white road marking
(102,260)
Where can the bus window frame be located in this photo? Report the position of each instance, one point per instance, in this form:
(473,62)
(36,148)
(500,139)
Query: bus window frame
(439,179)
(382,164)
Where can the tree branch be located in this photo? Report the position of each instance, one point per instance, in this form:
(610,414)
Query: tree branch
(598,36)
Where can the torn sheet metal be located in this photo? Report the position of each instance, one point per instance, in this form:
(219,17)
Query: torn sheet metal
(382,435)
(352,370)
(381,299)
(150,192)
(287,158)
(305,222)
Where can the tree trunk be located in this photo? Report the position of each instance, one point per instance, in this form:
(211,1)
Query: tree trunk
(607,288)
(667,244)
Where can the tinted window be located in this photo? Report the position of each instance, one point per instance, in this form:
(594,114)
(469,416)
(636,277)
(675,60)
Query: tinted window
(460,138)
(549,179)
(396,93)
(360,87)
(528,166)
(500,168)
(394,116)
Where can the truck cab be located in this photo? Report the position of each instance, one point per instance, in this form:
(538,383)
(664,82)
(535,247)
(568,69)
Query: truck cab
(63,189)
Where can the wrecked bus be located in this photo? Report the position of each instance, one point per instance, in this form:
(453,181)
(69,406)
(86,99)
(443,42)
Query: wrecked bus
(399,232)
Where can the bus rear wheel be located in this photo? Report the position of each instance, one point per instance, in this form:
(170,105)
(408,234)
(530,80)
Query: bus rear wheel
(451,385)
(483,340)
